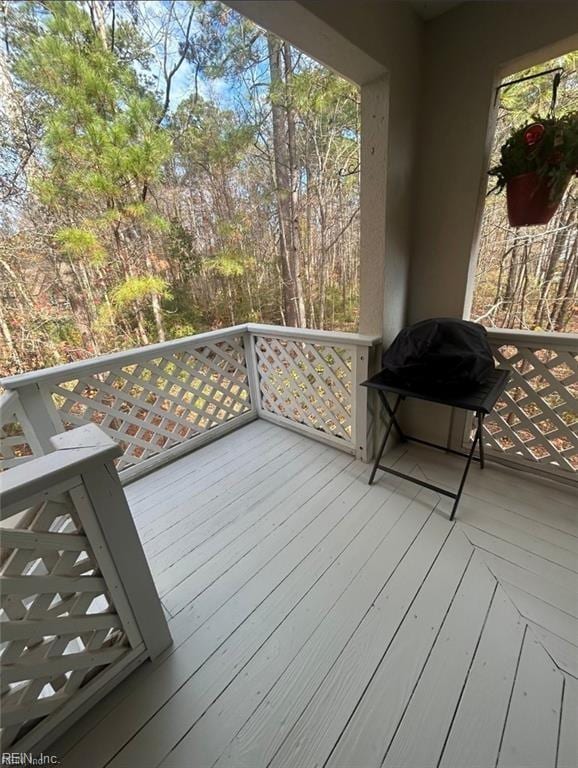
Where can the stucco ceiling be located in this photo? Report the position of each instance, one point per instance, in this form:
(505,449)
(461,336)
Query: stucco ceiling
(429,9)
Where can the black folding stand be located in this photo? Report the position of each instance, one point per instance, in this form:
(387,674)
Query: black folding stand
(481,401)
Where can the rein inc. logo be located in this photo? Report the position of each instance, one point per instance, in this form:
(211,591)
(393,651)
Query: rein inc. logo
(27,758)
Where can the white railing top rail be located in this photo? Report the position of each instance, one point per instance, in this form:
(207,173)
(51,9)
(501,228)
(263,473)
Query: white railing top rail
(549,339)
(115,359)
(311,334)
(72,450)
(134,355)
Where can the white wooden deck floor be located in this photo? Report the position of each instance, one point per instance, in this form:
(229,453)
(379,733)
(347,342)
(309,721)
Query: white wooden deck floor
(321,622)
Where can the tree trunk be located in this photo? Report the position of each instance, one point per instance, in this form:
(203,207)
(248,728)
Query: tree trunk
(295,254)
(566,294)
(98,22)
(13,358)
(293,306)
(555,251)
(155,300)
(76,300)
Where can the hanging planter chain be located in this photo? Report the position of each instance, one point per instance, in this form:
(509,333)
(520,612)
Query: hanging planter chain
(558,70)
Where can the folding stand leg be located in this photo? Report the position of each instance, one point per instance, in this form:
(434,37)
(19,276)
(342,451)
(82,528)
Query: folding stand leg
(391,412)
(477,438)
(392,422)
(480,437)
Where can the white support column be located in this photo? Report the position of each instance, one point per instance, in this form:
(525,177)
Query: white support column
(374,136)
(43,417)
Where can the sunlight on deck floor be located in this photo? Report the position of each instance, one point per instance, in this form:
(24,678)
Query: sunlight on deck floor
(318,621)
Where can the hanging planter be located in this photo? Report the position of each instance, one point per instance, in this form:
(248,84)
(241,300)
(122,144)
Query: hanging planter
(529,200)
(536,164)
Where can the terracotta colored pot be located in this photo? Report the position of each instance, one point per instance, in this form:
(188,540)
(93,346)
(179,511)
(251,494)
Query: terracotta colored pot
(529,201)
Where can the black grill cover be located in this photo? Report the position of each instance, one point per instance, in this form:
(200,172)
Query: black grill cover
(440,355)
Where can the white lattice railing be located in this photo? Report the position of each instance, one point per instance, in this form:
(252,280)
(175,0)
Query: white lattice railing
(310,380)
(536,420)
(79,608)
(161,401)
(307,383)
(149,400)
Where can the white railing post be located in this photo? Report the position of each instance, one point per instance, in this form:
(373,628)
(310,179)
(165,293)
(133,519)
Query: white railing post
(120,537)
(18,440)
(41,413)
(252,371)
(81,609)
(360,368)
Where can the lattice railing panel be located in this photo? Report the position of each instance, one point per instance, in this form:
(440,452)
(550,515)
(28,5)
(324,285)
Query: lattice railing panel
(17,441)
(536,419)
(60,628)
(152,405)
(306,382)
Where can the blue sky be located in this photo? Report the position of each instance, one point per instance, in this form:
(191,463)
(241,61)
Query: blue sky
(217,89)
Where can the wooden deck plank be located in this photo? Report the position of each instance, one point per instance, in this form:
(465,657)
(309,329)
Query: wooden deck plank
(563,653)
(276,556)
(516,522)
(544,501)
(283,650)
(376,556)
(437,692)
(231,568)
(244,591)
(289,474)
(144,491)
(474,738)
(319,726)
(545,615)
(190,533)
(493,508)
(568,742)
(531,729)
(254,545)
(565,598)
(206,519)
(521,557)
(474,514)
(176,488)
(352,536)
(371,727)
(217,489)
